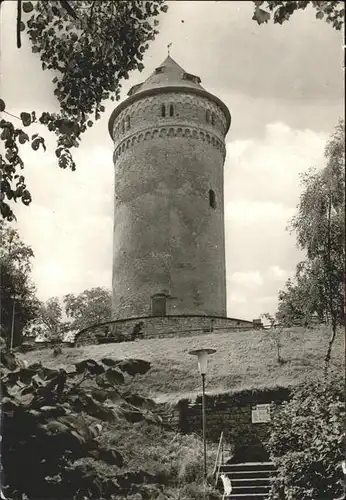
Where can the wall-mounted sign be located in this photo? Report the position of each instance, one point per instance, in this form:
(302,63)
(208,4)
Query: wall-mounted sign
(260,414)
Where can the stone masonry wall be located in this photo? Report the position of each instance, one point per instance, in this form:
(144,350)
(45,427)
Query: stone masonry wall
(168,326)
(167,238)
(230,414)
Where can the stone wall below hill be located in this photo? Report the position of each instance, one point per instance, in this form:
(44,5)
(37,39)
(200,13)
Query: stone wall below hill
(230,414)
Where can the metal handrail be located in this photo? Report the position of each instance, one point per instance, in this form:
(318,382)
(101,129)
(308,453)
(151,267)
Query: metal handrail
(218,456)
(218,452)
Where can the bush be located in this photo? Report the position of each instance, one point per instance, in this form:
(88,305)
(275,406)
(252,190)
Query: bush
(52,422)
(306,442)
(82,435)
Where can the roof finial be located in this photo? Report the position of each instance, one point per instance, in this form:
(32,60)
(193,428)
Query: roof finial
(168,47)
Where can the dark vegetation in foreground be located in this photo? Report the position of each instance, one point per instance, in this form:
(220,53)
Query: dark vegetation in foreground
(79,434)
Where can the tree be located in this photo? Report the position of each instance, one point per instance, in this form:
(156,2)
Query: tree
(320,228)
(306,442)
(90,46)
(51,315)
(18,304)
(274,334)
(88,308)
(293,306)
(332,12)
(51,424)
(318,288)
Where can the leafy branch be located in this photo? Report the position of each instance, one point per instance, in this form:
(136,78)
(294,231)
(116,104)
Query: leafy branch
(90,47)
(60,417)
(333,12)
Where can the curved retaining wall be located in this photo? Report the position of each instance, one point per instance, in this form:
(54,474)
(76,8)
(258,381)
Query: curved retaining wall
(166,326)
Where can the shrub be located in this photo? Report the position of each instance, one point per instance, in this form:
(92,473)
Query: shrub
(82,435)
(52,422)
(306,442)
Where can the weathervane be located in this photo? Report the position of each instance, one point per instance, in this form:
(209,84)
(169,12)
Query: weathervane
(168,47)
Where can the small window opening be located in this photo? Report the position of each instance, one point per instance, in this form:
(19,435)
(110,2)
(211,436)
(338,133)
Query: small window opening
(163,110)
(171,110)
(207,116)
(159,70)
(128,123)
(191,78)
(123,126)
(212,198)
(213,119)
(158,305)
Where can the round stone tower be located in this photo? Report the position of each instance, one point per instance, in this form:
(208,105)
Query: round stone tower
(169,243)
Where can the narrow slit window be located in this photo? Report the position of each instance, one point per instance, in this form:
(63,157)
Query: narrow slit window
(212,198)
(213,119)
(207,116)
(163,110)
(123,126)
(171,110)
(128,123)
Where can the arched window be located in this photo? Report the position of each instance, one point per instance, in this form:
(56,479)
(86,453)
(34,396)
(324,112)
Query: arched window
(212,198)
(207,116)
(128,123)
(123,126)
(171,110)
(163,110)
(213,119)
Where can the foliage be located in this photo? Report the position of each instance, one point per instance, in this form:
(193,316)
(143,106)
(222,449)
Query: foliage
(274,335)
(320,228)
(88,308)
(51,315)
(91,443)
(51,423)
(332,12)
(293,308)
(306,442)
(90,46)
(176,460)
(17,293)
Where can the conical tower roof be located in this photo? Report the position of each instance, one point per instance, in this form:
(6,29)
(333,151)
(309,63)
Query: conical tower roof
(168,74)
(168,77)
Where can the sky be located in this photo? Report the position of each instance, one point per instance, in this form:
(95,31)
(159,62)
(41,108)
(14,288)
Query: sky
(284,88)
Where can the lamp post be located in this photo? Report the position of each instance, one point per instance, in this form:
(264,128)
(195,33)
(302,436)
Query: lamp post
(202,358)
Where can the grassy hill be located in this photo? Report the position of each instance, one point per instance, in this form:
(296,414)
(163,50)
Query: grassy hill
(244,360)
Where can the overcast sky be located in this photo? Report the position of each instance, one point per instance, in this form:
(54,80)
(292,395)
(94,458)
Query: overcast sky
(284,88)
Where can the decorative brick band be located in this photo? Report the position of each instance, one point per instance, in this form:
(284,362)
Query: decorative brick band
(188,132)
(187,107)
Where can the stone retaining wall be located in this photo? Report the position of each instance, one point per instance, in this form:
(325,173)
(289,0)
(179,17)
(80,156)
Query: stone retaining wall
(230,414)
(166,326)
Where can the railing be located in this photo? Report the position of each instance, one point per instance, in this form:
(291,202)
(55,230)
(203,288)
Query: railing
(219,459)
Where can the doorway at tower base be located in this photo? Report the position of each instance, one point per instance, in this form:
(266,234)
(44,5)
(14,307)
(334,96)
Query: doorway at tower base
(161,327)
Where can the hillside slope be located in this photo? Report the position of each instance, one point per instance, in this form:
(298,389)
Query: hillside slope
(243,360)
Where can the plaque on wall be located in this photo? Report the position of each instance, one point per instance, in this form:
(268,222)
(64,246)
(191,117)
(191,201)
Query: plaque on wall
(260,414)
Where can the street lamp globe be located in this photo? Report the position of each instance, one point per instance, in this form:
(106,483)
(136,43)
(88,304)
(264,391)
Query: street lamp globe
(202,358)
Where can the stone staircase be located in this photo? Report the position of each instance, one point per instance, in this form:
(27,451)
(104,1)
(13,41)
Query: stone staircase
(250,481)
